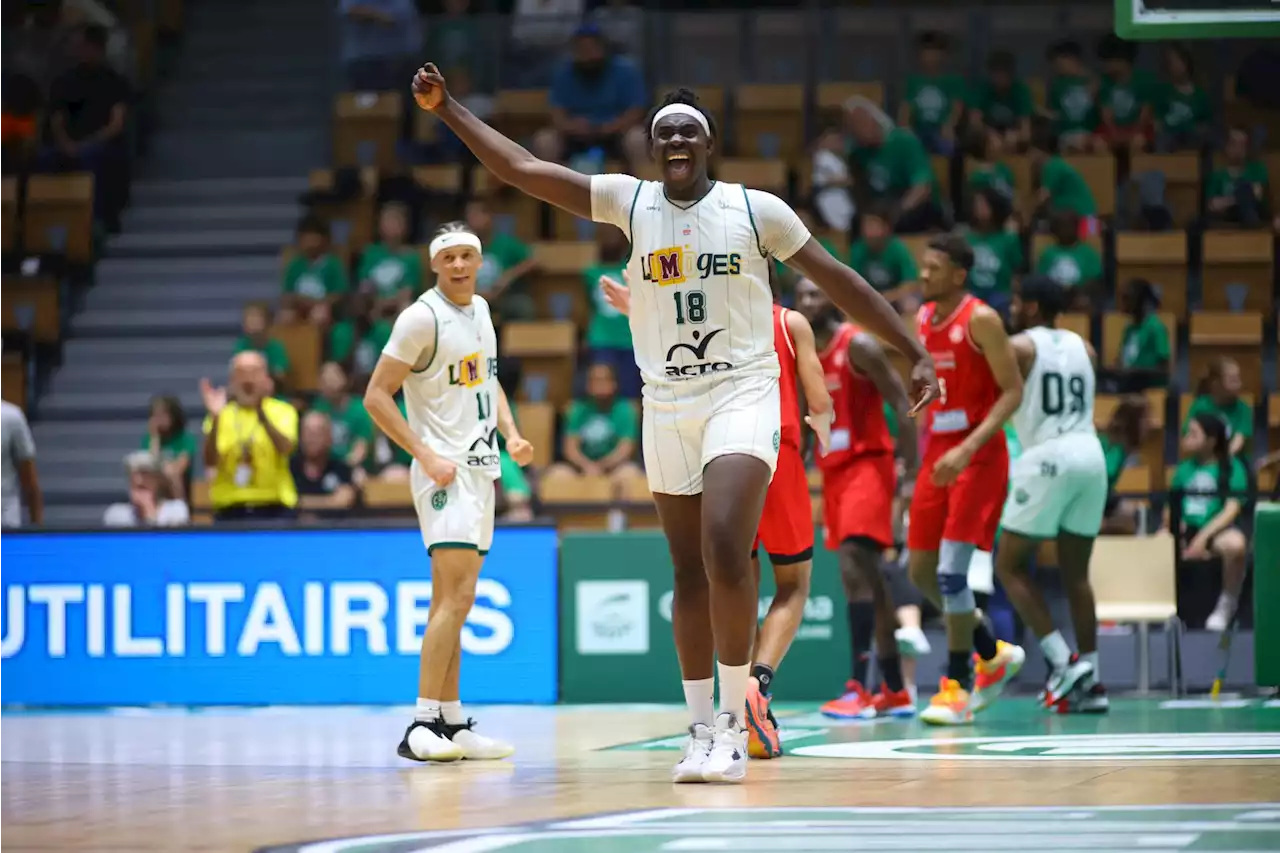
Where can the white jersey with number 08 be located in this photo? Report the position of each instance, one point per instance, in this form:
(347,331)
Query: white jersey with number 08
(1058,395)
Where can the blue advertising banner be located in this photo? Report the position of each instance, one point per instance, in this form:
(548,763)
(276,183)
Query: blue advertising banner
(263,617)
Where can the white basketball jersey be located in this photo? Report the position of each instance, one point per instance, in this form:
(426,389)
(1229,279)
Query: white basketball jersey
(1058,395)
(451,403)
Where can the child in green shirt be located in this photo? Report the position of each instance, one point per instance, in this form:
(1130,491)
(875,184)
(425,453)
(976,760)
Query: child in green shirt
(1072,99)
(609,330)
(167,440)
(997,252)
(1121,441)
(1124,98)
(1144,348)
(256,336)
(390,270)
(506,261)
(1060,186)
(314,279)
(987,170)
(351,425)
(1237,190)
(1003,103)
(934,99)
(884,260)
(1219,396)
(1182,111)
(1070,261)
(600,432)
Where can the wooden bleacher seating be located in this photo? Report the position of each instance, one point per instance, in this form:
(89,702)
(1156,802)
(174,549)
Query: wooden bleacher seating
(30,305)
(642,512)
(351,222)
(441,179)
(538,425)
(768,175)
(1134,582)
(1113,325)
(768,121)
(200,495)
(546,351)
(1267,482)
(302,341)
(1135,481)
(9,214)
(1273,421)
(366,128)
(13,379)
(1151,451)
(559,278)
(578,502)
(524,209)
(710,98)
(1078,323)
(1099,172)
(1183,182)
(59,216)
(387,494)
(1160,259)
(520,113)
(1235,335)
(1233,259)
(831,98)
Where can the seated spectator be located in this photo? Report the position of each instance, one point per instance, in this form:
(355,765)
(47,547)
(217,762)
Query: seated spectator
(507,260)
(356,345)
(1060,186)
(988,171)
(380,40)
(150,503)
(352,436)
(249,438)
(1237,190)
(168,441)
(1072,100)
(1002,102)
(896,168)
(1070,261)
(884,260)
(89,111)
(20,484)
(597,106)
(1219,395)
(453,41)
(935,98)
(831,182)
(314,279)
(600,432)
(997,251)
(609,330)
(1121,442)
(390,271)
(1182,110)
(1125,98)
(323,480)
(389,461)
(255,336)
(1211,482)
(1144,348)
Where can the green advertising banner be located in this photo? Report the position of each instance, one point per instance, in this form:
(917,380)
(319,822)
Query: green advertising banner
(615,623)
(1266,594)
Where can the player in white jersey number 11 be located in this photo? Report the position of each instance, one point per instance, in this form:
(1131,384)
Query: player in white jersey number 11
(443,355)
(702,326)
(1057,490)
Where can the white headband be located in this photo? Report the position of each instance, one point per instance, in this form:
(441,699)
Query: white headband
(680,110)
(450,239)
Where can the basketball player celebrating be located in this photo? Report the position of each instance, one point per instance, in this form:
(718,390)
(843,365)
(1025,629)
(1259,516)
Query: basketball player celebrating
(1057,489)
(443,352)
(701,322)
(786,524)
(858,487)
(964,474)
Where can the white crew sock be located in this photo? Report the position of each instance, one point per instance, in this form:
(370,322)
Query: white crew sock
(452,713)
(1092,657)
(1056,650)
(733,689)
(700,697)
(427,710)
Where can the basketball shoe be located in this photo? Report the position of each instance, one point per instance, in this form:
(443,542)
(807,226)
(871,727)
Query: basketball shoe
(991,676)
(696,751)
(1063,681)
(762,728)
(889,703)
(1089,697)
(950,706)
(475,747)
(854,704)
(727,761)
(424,742)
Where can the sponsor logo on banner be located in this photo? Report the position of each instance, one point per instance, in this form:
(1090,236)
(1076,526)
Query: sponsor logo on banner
(612,617)
(819,611)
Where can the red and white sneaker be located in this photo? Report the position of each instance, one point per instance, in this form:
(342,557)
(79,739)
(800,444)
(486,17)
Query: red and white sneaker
(897,703)
(990,676)
(855,704)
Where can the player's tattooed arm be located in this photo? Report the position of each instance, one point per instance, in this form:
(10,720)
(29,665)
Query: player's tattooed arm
(866,354)
(510,162)
(986,328)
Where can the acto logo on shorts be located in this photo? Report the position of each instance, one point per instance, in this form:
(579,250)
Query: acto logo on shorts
(699,350)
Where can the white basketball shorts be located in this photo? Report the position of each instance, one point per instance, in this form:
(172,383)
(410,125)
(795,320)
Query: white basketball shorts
(459,515)
(688,424)
(1058,486)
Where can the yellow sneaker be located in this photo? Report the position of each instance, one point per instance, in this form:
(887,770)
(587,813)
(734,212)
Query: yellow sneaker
(991,676)
(949,706)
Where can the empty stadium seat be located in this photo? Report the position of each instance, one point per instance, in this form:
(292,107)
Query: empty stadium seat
(302,342)
(1134,481)
(578,502)
(768,175)
(1236,335)
(546,352)
(366,128)
(1183,183)
(641,511)
(445,179)
(538,425)
(1159,258)
(768,121)
(558,283)
(13,379)
(519,113)
(30,305)
(351,222)
(1099,172)
(1134,582)
(1078,323)
(1239,271)
(1113,325)
(59,216)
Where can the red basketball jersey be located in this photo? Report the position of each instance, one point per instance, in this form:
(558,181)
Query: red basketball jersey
(858,426)
(967,388)
(787,382)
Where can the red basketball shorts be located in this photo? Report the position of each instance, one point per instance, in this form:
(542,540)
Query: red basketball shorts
(786,526)
(857,500)
(967,511)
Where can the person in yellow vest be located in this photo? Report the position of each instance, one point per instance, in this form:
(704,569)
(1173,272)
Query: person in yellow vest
(249,436)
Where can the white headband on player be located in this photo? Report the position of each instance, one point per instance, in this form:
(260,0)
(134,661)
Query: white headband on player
(452,239)
(680,110)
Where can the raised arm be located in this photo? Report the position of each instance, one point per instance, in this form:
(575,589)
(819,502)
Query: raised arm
(866,354)
(510,162)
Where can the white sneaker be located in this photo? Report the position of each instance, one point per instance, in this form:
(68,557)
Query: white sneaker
(728,759)
(912,642)
(1063,681)
(696,751)
(1220,619)
(476,747)
(422,742)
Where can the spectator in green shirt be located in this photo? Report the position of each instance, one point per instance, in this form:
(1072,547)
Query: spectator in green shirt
(1003,103)
(168,441)
(1237,190)
(390,270)
(1144,347)
(1219,395)
(506,261)
(609,330)
(988,171)
(1071,262)
(934,99)
(1060,185)
(997,252)
(314,279)
(1182,110)
(352,427)
(884,260)
(1121,441)
(891,165)
(256,335)
(600,433)
(357,344)
(1072,100)
(1124,98)
(1206,479)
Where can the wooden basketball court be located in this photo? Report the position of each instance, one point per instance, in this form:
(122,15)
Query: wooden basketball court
(1142,778)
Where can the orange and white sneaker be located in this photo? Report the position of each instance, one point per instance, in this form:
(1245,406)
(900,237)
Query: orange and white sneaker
(893,703)
(949,706)
(990,676)
(854,704)
(762,728)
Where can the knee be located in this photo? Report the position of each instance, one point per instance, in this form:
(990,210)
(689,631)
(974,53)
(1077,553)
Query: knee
(1231,544)
(792,587)
(548,144)
(456,603)
(726,551)
(690,578)
(922,576)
